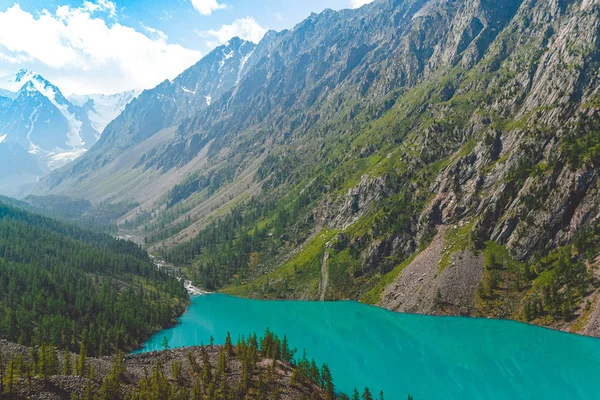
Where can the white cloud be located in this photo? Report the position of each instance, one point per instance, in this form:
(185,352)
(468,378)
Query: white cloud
(101,5)
(207,7)
(81,53)
(359,3)
(245,28)
(155,33)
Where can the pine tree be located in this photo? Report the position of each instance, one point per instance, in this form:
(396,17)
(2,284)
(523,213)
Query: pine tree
(66,365)
(367,394)
(193,363)
(327,382)
(176,371)
(10,375)
(81,365)
(89,387)
(1,374)
(228,345)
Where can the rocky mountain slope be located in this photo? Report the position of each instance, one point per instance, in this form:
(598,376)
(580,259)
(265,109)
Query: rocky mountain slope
(444,150)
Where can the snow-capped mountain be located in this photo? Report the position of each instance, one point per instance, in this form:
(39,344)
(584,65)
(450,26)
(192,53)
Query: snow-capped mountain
(37,122)
(43,121)
(101,109)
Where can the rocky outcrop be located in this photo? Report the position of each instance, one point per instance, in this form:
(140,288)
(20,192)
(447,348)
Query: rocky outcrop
(345,210)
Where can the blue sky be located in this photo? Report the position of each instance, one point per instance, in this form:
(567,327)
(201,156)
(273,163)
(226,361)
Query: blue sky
(107,46)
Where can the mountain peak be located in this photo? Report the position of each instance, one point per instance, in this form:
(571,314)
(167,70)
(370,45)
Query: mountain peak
(235,42)
(29,79)
(23,75)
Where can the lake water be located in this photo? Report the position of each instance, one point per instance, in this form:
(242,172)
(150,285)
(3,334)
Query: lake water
(430,357)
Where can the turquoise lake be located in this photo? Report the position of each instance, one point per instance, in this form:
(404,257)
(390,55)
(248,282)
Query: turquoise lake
(430,357)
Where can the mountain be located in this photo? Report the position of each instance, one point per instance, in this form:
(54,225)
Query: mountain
(154,113)
(41,119)
(7,93)
(101,109)
(171,102)
(423,155)
(38,120)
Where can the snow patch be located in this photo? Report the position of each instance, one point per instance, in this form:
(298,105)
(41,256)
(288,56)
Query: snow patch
(188,90)
(242,65)
(58,160)
(33,149)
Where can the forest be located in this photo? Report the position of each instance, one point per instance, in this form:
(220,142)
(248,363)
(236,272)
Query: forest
(65,286)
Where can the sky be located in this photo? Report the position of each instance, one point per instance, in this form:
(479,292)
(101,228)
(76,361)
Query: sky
(110,46)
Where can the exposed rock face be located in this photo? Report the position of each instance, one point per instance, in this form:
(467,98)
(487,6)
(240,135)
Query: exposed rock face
(349,208)
(41,129)
(546,97)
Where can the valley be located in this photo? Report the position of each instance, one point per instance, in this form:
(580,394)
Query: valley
(409,189)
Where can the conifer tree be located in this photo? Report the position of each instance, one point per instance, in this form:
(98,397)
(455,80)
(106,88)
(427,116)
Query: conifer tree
(10,375)
(327,382)
(228,346)
(81,365)
(66,363)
